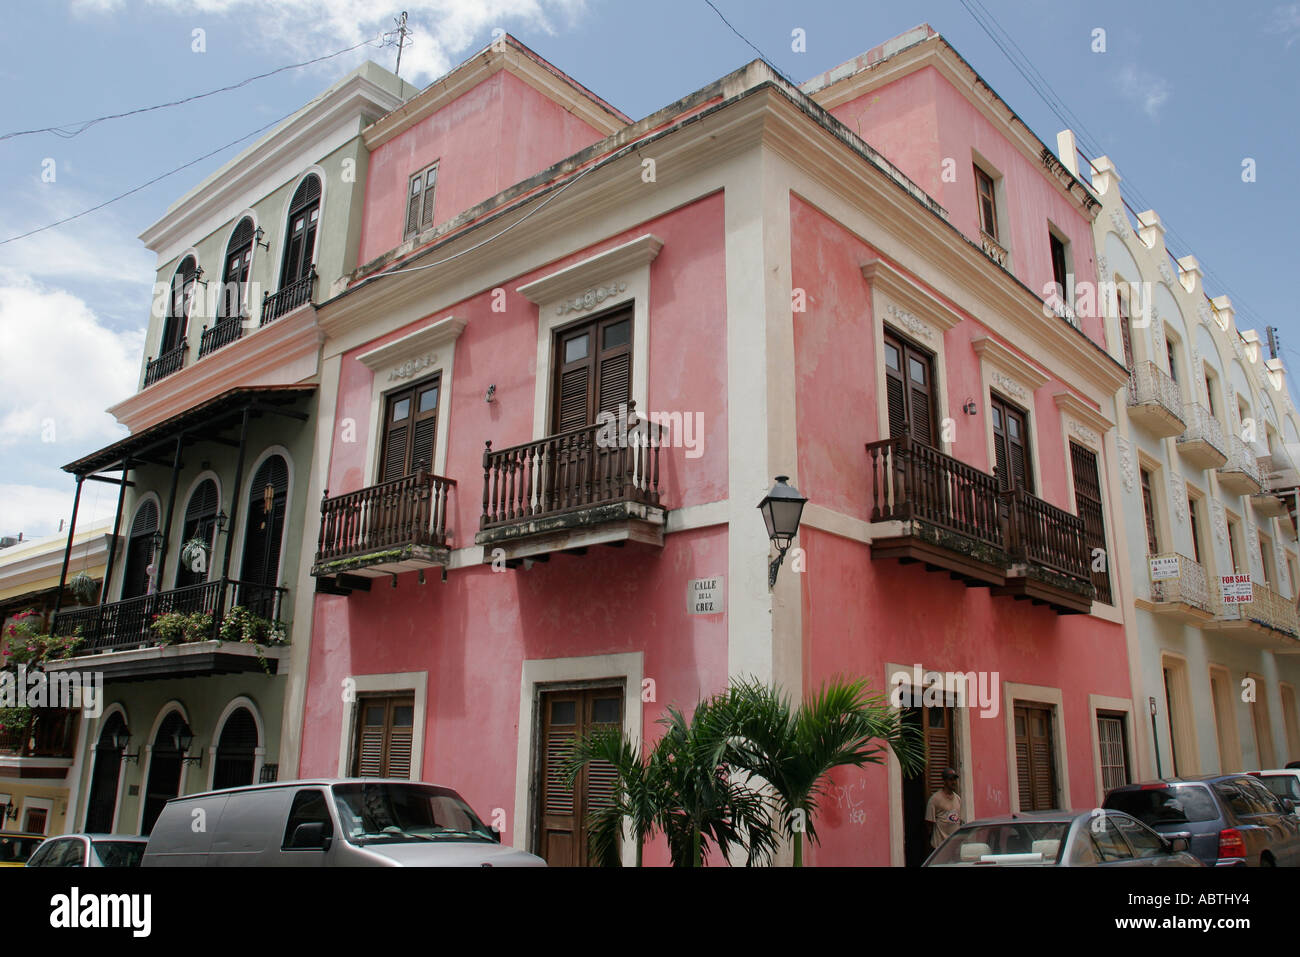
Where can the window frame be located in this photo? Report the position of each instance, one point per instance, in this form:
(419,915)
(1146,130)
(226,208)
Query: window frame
(983,179)
(1003,408)
(428,180)
(910,349)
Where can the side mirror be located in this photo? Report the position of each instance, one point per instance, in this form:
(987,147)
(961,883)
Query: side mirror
(311,837)
(1178,844)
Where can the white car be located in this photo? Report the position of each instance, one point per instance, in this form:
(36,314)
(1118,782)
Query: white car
(1285,783)
(89,850)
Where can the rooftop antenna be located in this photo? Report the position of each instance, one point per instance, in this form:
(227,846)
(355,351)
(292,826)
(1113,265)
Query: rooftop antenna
(401,40)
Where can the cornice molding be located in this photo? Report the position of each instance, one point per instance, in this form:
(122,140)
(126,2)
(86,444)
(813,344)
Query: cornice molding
(996,354)
(582,278)
(1074,407)
(285,352)
(89,552)
(909,295)
(409,347)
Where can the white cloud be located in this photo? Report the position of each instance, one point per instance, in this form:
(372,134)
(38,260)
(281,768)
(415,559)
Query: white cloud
(1146,89)
(443,29)
(62,367)
(1286,21)
(37,510)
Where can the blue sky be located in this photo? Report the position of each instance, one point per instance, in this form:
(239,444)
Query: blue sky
(1182,94)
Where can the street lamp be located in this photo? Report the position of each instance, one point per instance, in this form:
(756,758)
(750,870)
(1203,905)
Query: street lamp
(183,739)
(782,509)
(121,741)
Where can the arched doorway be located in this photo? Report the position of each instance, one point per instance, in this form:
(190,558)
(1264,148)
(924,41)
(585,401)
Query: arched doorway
(300,232)
(200,523)
(139,550)
(104,778)
(164,781)
(263,535)
(234,276)
(236,752)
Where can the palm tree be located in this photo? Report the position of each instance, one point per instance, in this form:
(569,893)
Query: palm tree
(793,750)
(635,796)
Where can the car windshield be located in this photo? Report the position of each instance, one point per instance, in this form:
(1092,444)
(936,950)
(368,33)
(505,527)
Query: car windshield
(1013,842)
(1174,804)
(16,850)
(387,813)
(120,853)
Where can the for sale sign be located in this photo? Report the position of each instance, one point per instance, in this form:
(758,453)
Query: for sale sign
(1165,567)
(1236,589)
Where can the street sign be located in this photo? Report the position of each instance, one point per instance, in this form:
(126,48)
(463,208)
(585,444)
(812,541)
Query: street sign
(1236,589)
(1165,567)
(706,596)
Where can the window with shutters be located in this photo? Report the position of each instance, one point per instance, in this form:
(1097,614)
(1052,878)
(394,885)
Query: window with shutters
(1113,744)
(139,550)
(593,369)
(1149,514)
(1087,504)
(986,197)
(419,201)
(234,276)
(264,529)
(101,808)
(1210,389)
(236,751)
(300,237)
(1035,757)
(410,429)
(200,524)
(385,731)
(563,811)
(1011,444)
(1235,548)
(910,389)
(1171,355)
(1058,247)
(178,305)
(1194,519)
(1126,333)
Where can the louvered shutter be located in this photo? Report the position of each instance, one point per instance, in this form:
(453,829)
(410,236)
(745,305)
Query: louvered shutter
(1035,774)
(1011,445)
(425,404)
(565,813)
(385,734)
(264,530)
(1017,447)
(1149,514)
(397,432)
(938,746)
(1000,444)
(370,743)
(615,382)
(1024,776)
(413,206)
(139,551)
(1126,334)
(575,386)
(896,392)
(200,520)
(400,738)
(1087,503)
(922,416)
(426,217)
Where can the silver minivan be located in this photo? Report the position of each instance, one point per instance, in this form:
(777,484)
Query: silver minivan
(358,822)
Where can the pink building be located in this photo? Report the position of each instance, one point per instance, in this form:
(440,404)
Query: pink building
(782,295)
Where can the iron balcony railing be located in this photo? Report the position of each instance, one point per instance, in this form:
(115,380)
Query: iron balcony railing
(1191,587)
(1202,426)
(1267,608)
(411,510)
(288,298)
(910,480)
(572,470)
(1148,384)
(165,364)
(126,624)
(1242,458)
(49,733)
(222,334)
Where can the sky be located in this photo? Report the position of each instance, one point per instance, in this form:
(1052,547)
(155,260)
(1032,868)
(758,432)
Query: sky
(1178,95)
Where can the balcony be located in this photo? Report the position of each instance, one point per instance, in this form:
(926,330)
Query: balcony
(132,650)
(165,364)
(1051,561)
(44,747)
(1202,444)
(222,334)
(951,517)
(1185,597)
(289,298)
(993,249)
(1268,620)
(385,529)
(568,491)
(1154,401)
(1279,480)
(1240,474)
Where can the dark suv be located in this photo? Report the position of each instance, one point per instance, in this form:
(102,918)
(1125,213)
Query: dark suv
(1230,819)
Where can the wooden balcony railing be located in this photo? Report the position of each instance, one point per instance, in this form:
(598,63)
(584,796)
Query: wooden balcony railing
(570,471)
(910,480)
(222,334)
(50,733)
(411,510)
(1041,533)
(165,364)
(126,624)
(288,298)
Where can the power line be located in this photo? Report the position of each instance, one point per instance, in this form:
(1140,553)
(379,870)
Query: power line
(69,130)
(761,55)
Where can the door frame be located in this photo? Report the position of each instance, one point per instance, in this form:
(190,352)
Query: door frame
(557,674)
(1014,694)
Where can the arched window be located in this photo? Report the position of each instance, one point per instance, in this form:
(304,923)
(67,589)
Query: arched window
(300,232)
(263,534)
(178,306)
(236,751)
(164,782)
(200,524)
(234,276)
(139,550)
(103,780)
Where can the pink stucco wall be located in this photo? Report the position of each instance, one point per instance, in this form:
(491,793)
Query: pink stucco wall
(496,134)
(920,120)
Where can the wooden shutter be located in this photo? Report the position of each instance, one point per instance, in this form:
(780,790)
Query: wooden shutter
(426,217)
(385,733)
(264,530)
(139,551)
(410,429)
(939,749)
(1126,334)
(200,520)
(397,431)
(1035,772)
(987,202)
(1087,504)
(614,383)
(896,392)
(413,206)
(304,215)
(1149,513)
(909,385)
(567,716)
(1011,444)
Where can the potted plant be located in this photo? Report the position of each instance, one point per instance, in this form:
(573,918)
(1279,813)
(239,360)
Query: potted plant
(194,555)
(84,588)
(168,627)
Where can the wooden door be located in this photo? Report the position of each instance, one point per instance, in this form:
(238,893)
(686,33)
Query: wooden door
(410,429)
(385,735)
(563,812)
(909,387)
(937,727)
(1011,445)
(1035,758)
